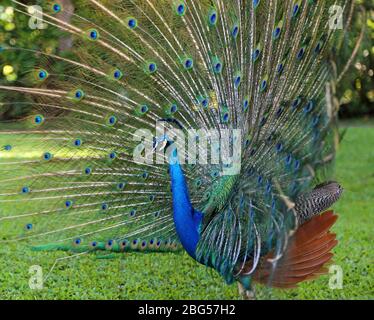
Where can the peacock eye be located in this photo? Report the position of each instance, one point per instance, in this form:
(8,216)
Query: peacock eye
(29,226)
(276,32)
(112,120)
(47,156)
(279,147)
(280,68)
(206,196)
(237,81)
(144,109)
(309,107)
(78,95)
(213,18)
(218,67)
(152,67)
(317,48)
(124,243)
(181,9)
(42,74)
(56,8)
(78,142)
(173,108)
(188,64)
(235,31)
(263,85)
(25,190)
(300,54)
(117,74)
(215,174)
(225,117)
(132,23)
(295,10)
(256,54)
(93,34)
(288,159)
(121,185)
(39,119)
(245,104)
(296,103)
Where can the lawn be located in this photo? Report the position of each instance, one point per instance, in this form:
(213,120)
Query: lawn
(176,276)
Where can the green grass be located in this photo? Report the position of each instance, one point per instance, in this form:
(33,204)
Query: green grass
(176,276)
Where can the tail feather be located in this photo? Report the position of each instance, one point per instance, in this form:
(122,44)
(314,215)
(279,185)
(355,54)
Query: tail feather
(306,256)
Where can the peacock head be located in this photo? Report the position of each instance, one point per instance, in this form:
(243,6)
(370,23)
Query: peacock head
(161,143)
(167,146)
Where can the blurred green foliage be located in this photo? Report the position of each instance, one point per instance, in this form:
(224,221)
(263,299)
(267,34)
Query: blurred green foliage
(15,64)
(355,91)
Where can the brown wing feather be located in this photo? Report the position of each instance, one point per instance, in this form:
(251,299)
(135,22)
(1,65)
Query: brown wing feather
(306,256)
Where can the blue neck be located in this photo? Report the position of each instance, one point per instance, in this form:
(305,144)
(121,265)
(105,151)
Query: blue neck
(186,219)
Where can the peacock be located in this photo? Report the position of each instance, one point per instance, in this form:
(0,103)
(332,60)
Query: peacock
(169,125)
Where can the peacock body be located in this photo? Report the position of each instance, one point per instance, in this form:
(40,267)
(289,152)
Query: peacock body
(104,159)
